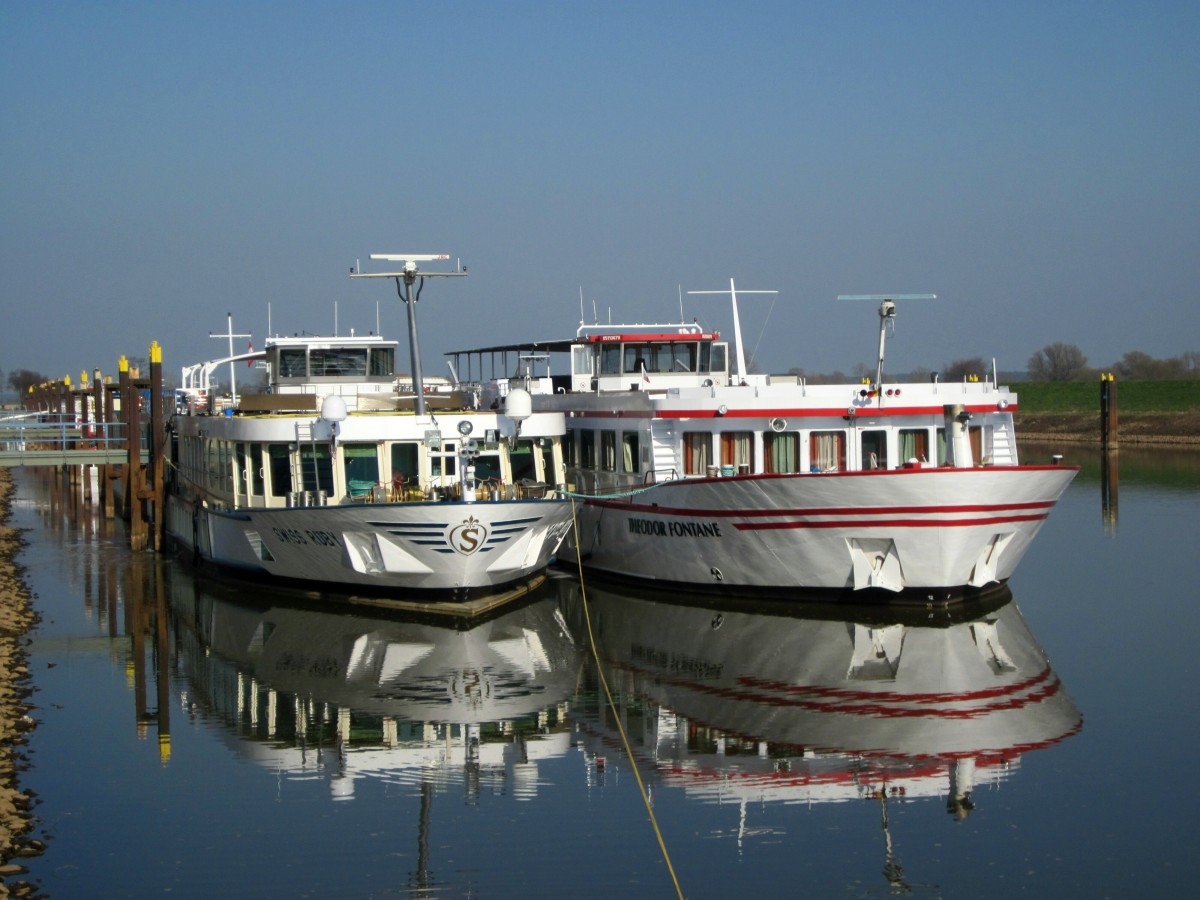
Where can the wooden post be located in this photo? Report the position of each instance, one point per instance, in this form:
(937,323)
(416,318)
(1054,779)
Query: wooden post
(111,472)
(1109,437)
(68,417)
(158,466)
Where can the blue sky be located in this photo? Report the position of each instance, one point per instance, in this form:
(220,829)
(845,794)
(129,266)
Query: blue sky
(1033,164)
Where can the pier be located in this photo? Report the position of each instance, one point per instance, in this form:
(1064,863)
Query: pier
(107,437)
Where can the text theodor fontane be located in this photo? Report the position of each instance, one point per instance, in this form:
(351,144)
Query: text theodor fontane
(659,528)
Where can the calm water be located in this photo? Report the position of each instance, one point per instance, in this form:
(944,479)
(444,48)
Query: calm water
(195,740)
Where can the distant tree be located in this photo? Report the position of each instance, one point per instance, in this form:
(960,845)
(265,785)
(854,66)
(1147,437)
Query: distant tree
(1057,362)
(961,368)
(20,380)
(1139,366)
(920,373)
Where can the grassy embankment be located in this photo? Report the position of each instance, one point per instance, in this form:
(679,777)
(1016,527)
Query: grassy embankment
(1150,412)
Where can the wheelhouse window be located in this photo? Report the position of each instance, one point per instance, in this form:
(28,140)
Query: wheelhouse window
(587,450)
(781,453)
(570,458)
(610,359)
(828,451)
(338,362)
(293,362)
(383,361)
(697,452)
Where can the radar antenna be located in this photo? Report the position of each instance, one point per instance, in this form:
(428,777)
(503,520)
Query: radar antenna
(887,313)
(408,274)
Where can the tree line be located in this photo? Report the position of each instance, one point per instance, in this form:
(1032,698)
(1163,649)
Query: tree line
(1054,362)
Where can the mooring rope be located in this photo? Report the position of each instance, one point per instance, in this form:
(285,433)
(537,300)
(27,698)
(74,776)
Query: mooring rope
(613,706)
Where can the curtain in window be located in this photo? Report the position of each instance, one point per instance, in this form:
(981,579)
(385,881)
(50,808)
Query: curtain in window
(828,450)
(736,448)
(695,452)
(781,453)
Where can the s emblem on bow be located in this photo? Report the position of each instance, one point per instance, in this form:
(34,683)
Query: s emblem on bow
(468,536)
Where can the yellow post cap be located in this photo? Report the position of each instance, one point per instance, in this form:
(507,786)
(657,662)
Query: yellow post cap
(155,352)
(122,364)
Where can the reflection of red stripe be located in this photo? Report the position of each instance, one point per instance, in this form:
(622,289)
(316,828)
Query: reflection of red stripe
(825,510)
(882,523)
(882,705)
(892,696)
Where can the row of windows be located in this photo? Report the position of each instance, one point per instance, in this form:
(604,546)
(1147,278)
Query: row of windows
(304,362)
(276,470)
(781,452)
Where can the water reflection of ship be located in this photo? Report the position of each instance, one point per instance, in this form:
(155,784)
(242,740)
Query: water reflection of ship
(743,707)
(343,697)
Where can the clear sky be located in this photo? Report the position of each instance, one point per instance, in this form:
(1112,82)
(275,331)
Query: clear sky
(1036,165)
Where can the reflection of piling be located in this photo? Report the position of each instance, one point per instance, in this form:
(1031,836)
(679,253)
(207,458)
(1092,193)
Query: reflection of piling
(1109,438)
(1109,484)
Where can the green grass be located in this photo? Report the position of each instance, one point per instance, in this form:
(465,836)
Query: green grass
(1062,398)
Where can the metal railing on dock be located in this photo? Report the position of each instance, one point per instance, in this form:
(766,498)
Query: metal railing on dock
(50,439)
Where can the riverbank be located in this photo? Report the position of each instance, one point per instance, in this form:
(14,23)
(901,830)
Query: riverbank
(1144,429)
(17,618)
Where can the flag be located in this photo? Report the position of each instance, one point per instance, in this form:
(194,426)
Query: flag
(645,375)
(249,349)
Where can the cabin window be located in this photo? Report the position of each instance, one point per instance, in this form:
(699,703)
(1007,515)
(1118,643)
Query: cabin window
(781,453)
(697,451)
(737,448)
(360,463)
(608,451)
(442,463)
(404,460)
(610,359)
(293,362)
(941,446)
(524,464)
(828,450)
(568,448)
(914,444)
(629,451)
(874,449)
(279,457)
(587,450)
(383,361)
(316,468)
(256,469)
(241,465)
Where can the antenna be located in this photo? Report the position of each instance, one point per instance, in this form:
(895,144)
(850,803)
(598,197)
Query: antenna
(887,313)
(737,326)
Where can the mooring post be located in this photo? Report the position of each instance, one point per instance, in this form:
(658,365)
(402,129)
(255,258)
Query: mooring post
(138,537)
(1109,437)
(157,439)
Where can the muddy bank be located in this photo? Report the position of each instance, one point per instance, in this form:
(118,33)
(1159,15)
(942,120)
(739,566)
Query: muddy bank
(1142,429)
(17,619)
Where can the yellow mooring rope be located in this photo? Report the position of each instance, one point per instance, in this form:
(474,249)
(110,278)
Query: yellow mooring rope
(613,706)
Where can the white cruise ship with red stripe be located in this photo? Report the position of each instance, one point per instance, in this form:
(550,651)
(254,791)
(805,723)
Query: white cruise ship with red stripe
(693,471)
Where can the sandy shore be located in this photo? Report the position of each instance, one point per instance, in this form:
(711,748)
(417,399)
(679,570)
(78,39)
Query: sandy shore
(17,618)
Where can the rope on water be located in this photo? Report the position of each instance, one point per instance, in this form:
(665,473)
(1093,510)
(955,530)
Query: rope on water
(612,704)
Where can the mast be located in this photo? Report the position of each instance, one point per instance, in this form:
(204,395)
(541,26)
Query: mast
(408,275)
(737,326)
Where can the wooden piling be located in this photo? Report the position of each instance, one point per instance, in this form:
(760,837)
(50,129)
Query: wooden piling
(1109,436)
(158,465)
